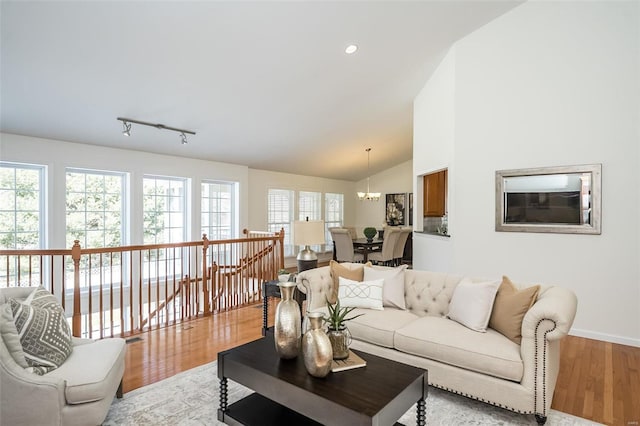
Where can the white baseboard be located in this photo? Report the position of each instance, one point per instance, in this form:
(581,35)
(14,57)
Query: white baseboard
(605,337)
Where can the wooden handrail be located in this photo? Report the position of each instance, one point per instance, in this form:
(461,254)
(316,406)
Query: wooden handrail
(132,288)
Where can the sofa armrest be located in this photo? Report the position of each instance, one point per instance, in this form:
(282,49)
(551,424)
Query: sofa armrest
(19,390)
(316,284)
(555,304)
(77,341)
(549,319)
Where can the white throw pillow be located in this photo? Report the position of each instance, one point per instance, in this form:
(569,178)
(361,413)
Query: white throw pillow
(360,294)
(10,335)
(471,303)
(393,287)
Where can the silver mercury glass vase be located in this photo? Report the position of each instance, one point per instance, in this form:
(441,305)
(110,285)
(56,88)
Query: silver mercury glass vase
(340,340)
(287,327)
(316,347)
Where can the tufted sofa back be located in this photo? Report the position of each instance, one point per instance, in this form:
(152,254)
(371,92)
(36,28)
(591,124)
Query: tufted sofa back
(317,284)
(425,292)
(429,293)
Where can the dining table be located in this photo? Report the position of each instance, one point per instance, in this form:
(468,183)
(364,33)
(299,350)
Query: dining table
(364,246)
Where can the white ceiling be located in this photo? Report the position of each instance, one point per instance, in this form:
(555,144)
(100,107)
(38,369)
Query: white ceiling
(264,84)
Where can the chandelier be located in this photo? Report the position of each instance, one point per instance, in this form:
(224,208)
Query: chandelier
(371,196)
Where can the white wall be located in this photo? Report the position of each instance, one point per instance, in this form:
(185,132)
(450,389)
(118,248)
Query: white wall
(547,84)
(57,156)
(433,143)
(261,181)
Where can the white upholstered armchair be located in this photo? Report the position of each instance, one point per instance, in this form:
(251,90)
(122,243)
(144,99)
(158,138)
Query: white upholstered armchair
(79,392)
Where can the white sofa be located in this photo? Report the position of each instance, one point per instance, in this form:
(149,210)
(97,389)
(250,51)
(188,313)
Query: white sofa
(485,366)
(79,392)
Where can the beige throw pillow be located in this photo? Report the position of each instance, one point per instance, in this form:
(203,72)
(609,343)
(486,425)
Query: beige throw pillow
(510,307)
(393,288)
(337,270)
(471,303)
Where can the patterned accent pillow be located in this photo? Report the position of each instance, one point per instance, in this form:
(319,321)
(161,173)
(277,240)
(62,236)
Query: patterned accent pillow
(41,298)
(43,330)
(361,294)
(352,272)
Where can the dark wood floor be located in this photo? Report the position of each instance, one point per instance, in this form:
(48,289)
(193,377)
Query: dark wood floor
(598,381)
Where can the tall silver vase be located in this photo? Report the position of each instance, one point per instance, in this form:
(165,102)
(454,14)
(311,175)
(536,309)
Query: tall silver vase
(316,347)
(287,327)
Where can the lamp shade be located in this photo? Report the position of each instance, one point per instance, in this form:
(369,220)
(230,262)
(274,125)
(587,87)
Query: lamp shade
(307,233)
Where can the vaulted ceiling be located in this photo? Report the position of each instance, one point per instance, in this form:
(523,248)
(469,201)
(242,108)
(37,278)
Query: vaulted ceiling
(263,84)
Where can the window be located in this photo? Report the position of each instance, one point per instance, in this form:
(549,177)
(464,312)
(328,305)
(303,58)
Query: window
(22,216)
(95,208)
(309,205)
(21,206)
(218,212)
(164,221)
(95,213)
(164,210)
(280,215)
(333,212)
(281,212)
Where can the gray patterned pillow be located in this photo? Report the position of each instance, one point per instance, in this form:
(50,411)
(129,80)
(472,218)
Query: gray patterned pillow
(43,329)
(41,298)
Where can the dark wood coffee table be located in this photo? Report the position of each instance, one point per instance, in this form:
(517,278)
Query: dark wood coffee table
(285,394)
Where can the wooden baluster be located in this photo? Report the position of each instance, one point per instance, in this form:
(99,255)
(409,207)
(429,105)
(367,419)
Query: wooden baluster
(205,279)
(77,316)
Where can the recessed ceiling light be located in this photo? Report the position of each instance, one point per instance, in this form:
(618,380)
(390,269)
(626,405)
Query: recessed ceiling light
(351,49)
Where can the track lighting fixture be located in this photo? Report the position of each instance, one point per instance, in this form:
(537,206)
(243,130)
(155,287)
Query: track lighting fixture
(126,123)
(127,128)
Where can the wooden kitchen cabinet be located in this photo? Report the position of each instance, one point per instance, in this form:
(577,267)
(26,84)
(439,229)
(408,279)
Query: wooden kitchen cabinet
(435,194)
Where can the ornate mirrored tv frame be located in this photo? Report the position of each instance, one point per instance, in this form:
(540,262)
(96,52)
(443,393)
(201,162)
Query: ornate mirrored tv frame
(564,200)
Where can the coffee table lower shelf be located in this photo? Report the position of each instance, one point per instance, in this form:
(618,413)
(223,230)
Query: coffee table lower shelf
(255,409)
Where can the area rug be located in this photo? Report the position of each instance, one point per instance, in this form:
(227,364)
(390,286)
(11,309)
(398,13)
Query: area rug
(191,398)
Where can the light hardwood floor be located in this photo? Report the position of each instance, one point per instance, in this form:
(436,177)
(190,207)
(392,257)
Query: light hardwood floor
(598,381)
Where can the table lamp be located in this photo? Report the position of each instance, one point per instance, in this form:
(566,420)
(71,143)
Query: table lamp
(307,233)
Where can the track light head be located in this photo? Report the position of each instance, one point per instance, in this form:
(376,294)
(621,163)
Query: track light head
(126,128)
(126,125)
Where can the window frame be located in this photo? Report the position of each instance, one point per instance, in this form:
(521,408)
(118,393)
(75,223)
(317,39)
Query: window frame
(42,199)
(233,214)
(124,222)
(330,224)
(185,207)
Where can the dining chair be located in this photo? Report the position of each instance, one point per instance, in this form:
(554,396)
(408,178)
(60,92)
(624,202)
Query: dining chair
(344,246)
(352,231)
(385,256)
(398,250)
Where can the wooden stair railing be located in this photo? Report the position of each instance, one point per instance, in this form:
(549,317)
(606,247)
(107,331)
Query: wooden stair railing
(123,290)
